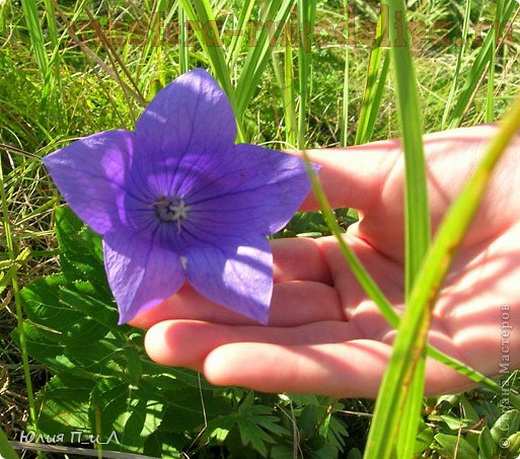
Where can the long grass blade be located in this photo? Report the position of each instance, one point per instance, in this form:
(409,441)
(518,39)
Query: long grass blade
(410,421)
(50,16)
(183,42)
(34,27)
(306,19)
(407,397)
(346,82)
(378,65)
(285,78)
(490,94)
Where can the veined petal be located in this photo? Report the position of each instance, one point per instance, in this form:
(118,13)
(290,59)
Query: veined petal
(190,116)
(141,273)
(238,277)
(255,190)
(90,174)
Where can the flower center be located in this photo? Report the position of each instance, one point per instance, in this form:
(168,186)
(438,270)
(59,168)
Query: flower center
(170,210)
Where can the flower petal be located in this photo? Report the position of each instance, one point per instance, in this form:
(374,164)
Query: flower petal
(141,273)
(90,174)
(190,116)
(254,190)
(239,277)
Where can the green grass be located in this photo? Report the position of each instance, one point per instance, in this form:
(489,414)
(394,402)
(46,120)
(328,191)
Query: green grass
(64,73)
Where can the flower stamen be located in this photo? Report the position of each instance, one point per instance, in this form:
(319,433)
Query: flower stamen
(170,210)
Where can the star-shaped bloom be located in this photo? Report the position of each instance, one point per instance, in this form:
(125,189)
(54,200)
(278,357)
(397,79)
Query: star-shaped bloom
(177,200)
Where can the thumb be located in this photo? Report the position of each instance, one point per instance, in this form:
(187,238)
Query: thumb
(354,176)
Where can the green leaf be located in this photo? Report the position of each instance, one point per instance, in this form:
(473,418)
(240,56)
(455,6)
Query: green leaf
(165,444)
(424,440)
(354,453)
(184,415)
(455,447)
(144,419)
(6,452)
(469,411)
(108,401)
(487,447)
(513,444)
(63,408)
(86,299)
(506,425)
(81,254)
(42,303)
(455,423)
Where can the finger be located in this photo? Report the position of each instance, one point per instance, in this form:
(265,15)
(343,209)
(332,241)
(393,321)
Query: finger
(186,343)
(293,303)
(351,369)
(353,177)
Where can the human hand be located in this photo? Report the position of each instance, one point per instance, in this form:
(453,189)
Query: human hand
(325,336)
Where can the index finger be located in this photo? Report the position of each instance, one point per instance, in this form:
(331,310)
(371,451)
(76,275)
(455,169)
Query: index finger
(352,177)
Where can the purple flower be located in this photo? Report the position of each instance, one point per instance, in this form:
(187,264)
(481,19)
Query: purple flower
(178,200)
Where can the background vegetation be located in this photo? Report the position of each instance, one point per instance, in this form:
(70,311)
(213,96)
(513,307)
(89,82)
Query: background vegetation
(68,69)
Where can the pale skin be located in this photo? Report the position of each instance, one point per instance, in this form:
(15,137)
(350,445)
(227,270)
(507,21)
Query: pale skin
(325,336)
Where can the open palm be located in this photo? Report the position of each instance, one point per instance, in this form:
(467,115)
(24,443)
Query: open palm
(325,336)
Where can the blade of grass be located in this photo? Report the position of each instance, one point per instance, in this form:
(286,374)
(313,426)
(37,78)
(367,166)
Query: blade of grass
(34,27)
(346,86)
(183,42)
(285,80)
(290,111)
(4,9)
(462,51)
(417,220)
(490,96)
(50,16)
(409,424)
(417,225)
(412,334)
(306,20)
(378,65)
